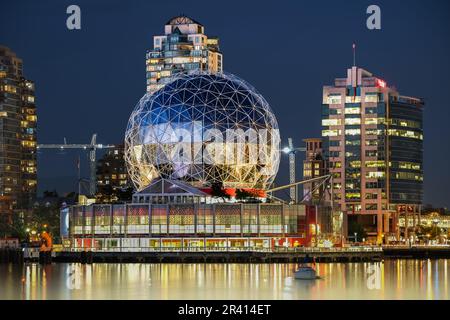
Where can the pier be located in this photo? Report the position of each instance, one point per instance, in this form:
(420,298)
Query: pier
(281,255)
(224,255)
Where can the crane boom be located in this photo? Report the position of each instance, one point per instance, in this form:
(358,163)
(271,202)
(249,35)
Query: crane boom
(92,148)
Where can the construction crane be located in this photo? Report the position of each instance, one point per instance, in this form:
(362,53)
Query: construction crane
(92,148)
(290,150)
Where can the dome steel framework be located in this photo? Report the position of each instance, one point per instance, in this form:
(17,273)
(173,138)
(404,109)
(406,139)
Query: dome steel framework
(203,128)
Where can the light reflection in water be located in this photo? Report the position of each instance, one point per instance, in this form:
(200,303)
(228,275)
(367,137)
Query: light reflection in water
(397,279)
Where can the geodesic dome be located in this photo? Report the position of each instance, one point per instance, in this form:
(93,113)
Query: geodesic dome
(203,128)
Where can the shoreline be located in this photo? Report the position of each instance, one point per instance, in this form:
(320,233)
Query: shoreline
(390,253)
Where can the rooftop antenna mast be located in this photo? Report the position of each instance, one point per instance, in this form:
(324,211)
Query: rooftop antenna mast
(354,54)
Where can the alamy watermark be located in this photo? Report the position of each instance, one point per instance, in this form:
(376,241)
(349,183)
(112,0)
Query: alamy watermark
(373,273)
(73,21)
(73,281)
(374,20)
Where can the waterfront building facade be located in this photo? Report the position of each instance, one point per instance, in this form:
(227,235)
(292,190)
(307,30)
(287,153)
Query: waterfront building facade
(18,177)
(373,142)
(429,219)
(173,214)
(184,47)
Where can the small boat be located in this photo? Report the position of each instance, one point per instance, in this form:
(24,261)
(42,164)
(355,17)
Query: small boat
(305,273)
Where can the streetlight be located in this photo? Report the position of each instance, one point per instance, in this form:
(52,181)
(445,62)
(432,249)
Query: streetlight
(356,236)
(438,231)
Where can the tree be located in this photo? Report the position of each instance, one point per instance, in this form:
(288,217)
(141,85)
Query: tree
(45,217)
(124,195)
(217,190)
(50,194)
(355,227)
(245,195)
(12,226)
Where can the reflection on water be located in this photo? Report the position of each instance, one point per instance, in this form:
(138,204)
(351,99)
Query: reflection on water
(391,279)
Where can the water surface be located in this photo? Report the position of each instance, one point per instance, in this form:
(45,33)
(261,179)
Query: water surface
(391,279)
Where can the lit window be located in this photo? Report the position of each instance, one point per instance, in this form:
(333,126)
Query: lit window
(371,97)
(371,143)
(375,164)
(336,164)
(371,121)
(405,134)
(331,122)
(374,132)
(405,123)
(352,99)
(10,88)
(353,142)
(408,176)
(330,133)
(352,121)
(355,164)
(337,186)
(375,175)
(353,196)
(371,196)
(352,132)
(352,110)
(333,99)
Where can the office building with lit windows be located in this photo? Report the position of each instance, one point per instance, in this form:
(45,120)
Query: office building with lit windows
(184,47)
(17,135)
(373,141)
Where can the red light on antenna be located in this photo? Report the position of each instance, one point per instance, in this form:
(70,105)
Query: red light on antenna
(381,83)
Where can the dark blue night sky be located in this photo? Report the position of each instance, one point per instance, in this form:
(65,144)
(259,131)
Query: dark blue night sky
(89,80)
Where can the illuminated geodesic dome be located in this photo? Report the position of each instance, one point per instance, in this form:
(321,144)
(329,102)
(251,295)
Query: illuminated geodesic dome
(203,128)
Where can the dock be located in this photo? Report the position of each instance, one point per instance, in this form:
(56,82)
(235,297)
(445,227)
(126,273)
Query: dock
(226,256)
(223,255)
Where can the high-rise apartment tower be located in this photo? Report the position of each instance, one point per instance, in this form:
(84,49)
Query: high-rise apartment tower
(184,47)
